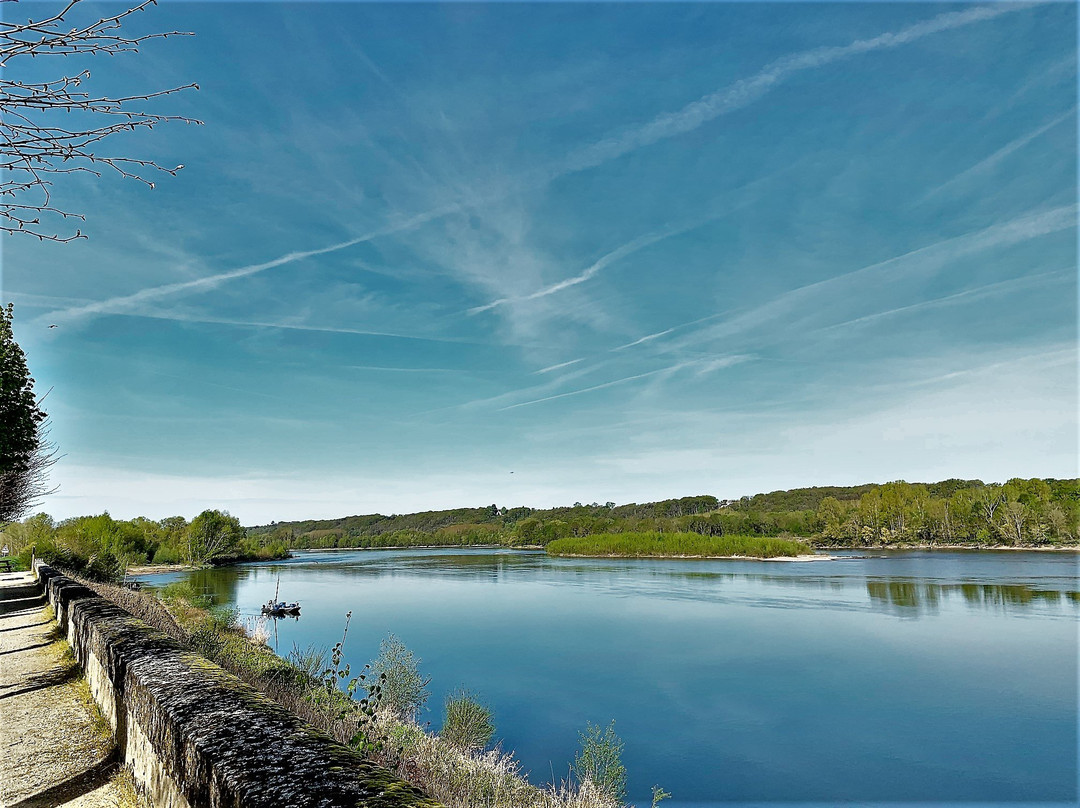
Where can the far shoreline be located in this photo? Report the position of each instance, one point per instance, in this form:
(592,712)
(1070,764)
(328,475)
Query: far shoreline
(161,569)
(814,557)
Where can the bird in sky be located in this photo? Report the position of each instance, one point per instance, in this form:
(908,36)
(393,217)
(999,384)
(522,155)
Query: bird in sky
(53,325)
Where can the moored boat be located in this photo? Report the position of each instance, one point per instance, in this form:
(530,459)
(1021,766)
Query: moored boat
(279,609)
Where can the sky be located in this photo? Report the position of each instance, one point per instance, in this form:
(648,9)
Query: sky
(442,255)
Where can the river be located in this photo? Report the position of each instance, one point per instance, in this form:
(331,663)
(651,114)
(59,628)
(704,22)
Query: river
(879,677)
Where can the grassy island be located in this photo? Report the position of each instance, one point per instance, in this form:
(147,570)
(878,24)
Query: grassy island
(677,545)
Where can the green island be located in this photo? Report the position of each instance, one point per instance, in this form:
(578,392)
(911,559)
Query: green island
(681,545)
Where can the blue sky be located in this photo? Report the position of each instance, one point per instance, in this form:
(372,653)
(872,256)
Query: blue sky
(625,252)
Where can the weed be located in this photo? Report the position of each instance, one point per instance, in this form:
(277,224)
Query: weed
(468,724)
(600,760)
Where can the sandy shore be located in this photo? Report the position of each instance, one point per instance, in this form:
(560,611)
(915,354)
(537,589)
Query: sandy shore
(815,557)
(151,569)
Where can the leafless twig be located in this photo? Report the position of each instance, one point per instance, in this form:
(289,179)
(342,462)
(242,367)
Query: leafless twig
(33,144)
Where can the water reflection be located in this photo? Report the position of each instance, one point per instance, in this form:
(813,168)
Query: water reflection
(1015,583)
(906,596)
(725,675)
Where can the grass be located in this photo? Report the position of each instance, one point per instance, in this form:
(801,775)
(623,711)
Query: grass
(677,545)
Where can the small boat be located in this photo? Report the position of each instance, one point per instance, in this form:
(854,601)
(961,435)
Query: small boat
(279,608)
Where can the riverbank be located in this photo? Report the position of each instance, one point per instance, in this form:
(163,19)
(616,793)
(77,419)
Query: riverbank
(313,684)
(155,569)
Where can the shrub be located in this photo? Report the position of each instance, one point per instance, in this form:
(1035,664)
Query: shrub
(183,590)
(224,618)
(600,761)
(404,690)
(468,724)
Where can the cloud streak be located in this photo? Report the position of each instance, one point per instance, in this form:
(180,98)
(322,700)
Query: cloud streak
(125,303)
(728,99)
(986,290)
(746,91)
(928,259)
(998,156)
(629,248)
(290,326)
(585,390)
(703,367)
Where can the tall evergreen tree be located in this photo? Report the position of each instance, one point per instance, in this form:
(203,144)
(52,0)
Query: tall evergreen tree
(24,453)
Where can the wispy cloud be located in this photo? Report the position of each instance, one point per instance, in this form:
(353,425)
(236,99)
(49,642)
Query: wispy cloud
(728,99)
(998,156)
(702,366)
(1001,287)
(183,317)
(586,389)
(125,303)
(746,91)
(593,269)
(560,366)
(860,283)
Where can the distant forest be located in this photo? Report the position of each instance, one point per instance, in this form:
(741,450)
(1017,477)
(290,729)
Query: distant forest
(1019,513)
(953,512)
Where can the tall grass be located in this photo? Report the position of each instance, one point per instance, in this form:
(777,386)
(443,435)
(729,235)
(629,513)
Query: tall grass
(674,545)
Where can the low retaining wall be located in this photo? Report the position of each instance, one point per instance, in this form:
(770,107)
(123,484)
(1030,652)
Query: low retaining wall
(194,735)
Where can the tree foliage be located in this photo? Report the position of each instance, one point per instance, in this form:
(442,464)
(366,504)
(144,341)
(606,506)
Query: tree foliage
(213,534)
(397,670)
(25,453)
(964,512)
(600,761)
(77,541)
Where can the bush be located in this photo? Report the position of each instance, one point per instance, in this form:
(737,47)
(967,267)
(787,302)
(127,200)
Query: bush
(600,761)
(404,690)
(183,590)
(468,724)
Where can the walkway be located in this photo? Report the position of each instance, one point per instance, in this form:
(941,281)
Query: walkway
(55,749)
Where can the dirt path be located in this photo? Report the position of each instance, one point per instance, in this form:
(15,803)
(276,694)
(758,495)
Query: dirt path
(55,749)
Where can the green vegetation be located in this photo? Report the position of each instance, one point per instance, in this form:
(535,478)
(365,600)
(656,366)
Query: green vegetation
(1021,513)
(397,673)
(102,548)
(25,453)
(970,513)
(661,545)
(600,761)
(468,724)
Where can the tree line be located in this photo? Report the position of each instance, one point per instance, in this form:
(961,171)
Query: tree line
(103,547)
(1020,512)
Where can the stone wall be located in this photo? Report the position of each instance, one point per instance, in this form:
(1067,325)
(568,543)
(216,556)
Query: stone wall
(194,735)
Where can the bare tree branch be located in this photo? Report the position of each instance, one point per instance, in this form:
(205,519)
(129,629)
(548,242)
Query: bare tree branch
(25,484)
(34,147)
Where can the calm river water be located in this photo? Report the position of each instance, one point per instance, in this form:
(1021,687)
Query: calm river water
(902,677)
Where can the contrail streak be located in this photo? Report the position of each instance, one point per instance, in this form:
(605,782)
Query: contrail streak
(124,302)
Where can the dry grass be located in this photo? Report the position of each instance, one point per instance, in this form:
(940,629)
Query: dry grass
(458,779)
